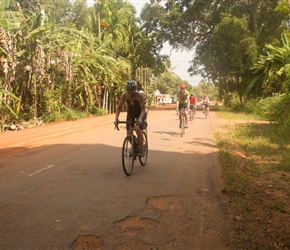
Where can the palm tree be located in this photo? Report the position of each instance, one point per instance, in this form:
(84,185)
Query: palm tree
(115,20)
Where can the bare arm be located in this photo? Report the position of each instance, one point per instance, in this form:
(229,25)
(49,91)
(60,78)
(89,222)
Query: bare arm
(142,105)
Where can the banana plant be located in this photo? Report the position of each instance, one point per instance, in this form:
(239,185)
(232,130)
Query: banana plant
(4,107)
(273,69)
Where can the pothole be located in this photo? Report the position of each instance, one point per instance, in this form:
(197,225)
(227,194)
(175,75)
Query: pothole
(165,202)
(142,234)
(89,242)
(133,225)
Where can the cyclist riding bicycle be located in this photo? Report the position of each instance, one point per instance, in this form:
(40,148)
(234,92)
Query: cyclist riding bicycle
(192,101)
(135,110)
(205,103)
(182,102)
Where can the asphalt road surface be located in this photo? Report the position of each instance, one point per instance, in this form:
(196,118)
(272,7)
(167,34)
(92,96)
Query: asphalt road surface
(62,186)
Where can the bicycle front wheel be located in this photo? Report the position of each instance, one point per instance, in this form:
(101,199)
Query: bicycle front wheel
(182,126)
(128,155)
(143,159)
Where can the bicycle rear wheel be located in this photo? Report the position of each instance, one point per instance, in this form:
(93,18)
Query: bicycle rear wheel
(128,155)
(143,159)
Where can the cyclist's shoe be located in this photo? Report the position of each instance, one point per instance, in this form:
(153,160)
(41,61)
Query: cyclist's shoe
(141,153)
(186,125)
(129,154)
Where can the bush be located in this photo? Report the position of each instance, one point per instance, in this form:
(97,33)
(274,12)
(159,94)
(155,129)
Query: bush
(252,107)
(71,115)
(234,104)
(248,107)
(275,109)
(97,111)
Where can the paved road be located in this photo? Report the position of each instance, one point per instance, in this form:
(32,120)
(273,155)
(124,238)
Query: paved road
(62,187)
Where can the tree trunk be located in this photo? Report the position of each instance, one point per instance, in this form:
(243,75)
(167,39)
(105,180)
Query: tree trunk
(252,7)
(22,88)
(34,97)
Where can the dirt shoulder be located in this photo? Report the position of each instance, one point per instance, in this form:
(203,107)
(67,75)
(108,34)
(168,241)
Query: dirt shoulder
(260,212)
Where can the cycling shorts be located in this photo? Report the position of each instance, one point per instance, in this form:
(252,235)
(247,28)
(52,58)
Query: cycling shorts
(182,105)
(192,106)
(145,125)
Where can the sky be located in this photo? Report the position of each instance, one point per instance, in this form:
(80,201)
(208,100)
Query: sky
(179,59)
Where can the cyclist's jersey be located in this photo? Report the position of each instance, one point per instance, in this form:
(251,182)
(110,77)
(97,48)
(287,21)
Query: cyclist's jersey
(192,100)
(205,101)
(182,97)
(133,109)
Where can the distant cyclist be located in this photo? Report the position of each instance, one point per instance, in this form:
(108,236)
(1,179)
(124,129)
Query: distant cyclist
(205,103)
(192,101)
(182,102)
(135,110)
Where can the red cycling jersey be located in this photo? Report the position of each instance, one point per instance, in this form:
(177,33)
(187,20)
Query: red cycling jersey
(192,100)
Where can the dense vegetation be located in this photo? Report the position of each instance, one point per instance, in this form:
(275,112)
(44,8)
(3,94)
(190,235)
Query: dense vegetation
(61,57)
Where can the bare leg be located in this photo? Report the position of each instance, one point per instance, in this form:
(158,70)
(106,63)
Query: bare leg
(139,135)
(179,116)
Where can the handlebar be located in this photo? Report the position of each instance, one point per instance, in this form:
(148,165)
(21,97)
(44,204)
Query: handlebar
(127,122)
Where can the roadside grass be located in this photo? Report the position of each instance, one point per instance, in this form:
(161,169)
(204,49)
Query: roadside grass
(255,159)
(237,116)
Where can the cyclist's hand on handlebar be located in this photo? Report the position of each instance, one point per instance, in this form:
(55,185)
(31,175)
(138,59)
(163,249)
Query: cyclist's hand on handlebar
(116,122)
(140,121)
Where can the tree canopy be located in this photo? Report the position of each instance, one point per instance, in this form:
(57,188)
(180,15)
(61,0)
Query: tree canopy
(227,36)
